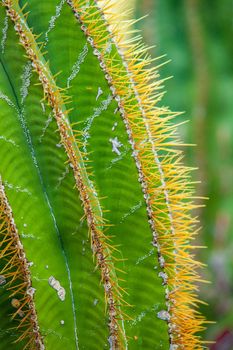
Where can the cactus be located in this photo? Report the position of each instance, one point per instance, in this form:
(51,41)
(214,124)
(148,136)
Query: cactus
(95,201)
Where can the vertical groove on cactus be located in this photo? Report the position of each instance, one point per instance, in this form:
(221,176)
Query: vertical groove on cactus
(165,181)
(93,211)
(15,277)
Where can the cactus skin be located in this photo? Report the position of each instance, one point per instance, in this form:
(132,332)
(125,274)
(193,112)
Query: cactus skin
(66,149)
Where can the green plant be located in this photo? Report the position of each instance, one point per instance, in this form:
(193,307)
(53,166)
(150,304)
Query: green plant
(77,200)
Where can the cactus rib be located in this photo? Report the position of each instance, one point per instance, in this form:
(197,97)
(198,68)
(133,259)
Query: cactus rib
(165,180)
(16,273)
(93,211)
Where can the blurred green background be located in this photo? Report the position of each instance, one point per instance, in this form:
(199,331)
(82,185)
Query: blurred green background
(196,35)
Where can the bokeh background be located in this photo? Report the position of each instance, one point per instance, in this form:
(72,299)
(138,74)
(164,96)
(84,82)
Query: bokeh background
(197,36)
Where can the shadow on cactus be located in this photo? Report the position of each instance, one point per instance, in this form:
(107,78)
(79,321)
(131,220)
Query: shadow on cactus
(95,203)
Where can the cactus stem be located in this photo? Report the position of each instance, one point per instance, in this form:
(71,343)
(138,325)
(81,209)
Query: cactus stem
(17,277)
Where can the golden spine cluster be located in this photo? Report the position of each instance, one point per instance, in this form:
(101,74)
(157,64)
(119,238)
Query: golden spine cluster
(102,250)
(15,275)
(166,182)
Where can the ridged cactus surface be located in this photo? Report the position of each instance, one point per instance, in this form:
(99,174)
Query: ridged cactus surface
(95,202)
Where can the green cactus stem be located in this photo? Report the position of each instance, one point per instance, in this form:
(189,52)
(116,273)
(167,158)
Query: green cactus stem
(96,203)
